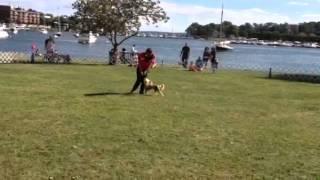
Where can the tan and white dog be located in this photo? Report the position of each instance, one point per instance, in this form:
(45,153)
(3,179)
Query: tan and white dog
(149,85)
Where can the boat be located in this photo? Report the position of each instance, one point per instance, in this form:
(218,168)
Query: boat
(59,33)
(76,35)
(3,34)
(87,38)
(43,31)
(286,44)
(222,45)
(310,45)
(274,43)
(262,43)
(14,30)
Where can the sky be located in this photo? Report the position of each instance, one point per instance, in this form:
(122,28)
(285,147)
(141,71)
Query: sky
(184,12)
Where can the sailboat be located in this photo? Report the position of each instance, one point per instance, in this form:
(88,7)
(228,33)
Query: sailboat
(87,38)
(44,30)
(59,33)
(222,45)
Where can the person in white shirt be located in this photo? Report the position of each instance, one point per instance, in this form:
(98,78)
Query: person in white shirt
(134,55)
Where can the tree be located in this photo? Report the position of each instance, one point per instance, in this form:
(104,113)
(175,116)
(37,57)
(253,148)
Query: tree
(119,20)
(74,22)
(193,29)
(230,29)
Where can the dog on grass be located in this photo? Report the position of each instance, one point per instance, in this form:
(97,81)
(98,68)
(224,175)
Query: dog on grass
(149,85)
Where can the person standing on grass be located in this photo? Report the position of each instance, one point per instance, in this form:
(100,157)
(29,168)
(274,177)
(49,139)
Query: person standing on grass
(185,53)
(123,56)
(133,50)
(206,56)
(34,52)
(134,54)
(146,61)
(213,59)
(49,45)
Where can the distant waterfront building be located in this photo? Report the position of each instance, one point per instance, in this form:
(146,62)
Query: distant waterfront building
(5,14)
(156,34)
(293,29)
(19,15)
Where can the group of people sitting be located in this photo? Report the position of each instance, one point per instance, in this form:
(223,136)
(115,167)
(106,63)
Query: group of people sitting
(202,63)
(51,55)
(124,57)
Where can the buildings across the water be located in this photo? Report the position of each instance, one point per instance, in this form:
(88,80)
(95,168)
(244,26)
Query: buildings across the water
(9,14)
(156,34)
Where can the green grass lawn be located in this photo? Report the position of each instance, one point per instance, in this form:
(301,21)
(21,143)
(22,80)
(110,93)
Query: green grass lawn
(228,125)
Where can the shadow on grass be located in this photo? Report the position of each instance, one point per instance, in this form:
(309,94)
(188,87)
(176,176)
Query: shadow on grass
(298,78)
(108,94)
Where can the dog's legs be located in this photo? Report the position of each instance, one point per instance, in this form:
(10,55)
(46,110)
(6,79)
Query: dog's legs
(161,93)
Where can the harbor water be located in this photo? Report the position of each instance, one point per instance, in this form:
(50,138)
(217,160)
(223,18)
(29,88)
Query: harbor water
(168,50)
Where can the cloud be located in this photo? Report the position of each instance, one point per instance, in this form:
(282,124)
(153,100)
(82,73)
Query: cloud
(311,17)
(296,3)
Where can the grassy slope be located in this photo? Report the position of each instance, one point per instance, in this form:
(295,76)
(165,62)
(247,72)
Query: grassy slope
(226,125)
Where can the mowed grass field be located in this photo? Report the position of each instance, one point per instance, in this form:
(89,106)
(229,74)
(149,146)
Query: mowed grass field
(228,125)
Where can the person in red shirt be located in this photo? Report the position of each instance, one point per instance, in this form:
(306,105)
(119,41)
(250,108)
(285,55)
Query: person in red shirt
(146,61)
(34,52)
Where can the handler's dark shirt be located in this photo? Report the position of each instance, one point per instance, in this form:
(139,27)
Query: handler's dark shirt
(185,51)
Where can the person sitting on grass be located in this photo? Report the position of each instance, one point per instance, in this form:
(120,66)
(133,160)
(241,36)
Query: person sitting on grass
(192,67)
(199,64)
(196,67)
(146,61)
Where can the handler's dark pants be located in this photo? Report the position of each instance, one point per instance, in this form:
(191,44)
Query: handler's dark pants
(184,60)
(140,80)
(32,58)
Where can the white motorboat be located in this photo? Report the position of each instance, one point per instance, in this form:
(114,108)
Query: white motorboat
(44,31)
(310,45)
(262,43)
(87,38)
(3,34)
(76,35)
(58,34)
(14,30)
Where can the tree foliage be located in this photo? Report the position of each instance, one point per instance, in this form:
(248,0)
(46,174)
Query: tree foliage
(268,31)
(117,18)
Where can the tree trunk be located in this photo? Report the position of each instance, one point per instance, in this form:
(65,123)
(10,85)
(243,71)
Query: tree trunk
(114,55)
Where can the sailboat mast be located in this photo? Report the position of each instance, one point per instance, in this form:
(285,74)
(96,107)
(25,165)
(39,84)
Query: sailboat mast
(221,21)
(59,20)
(59,24)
